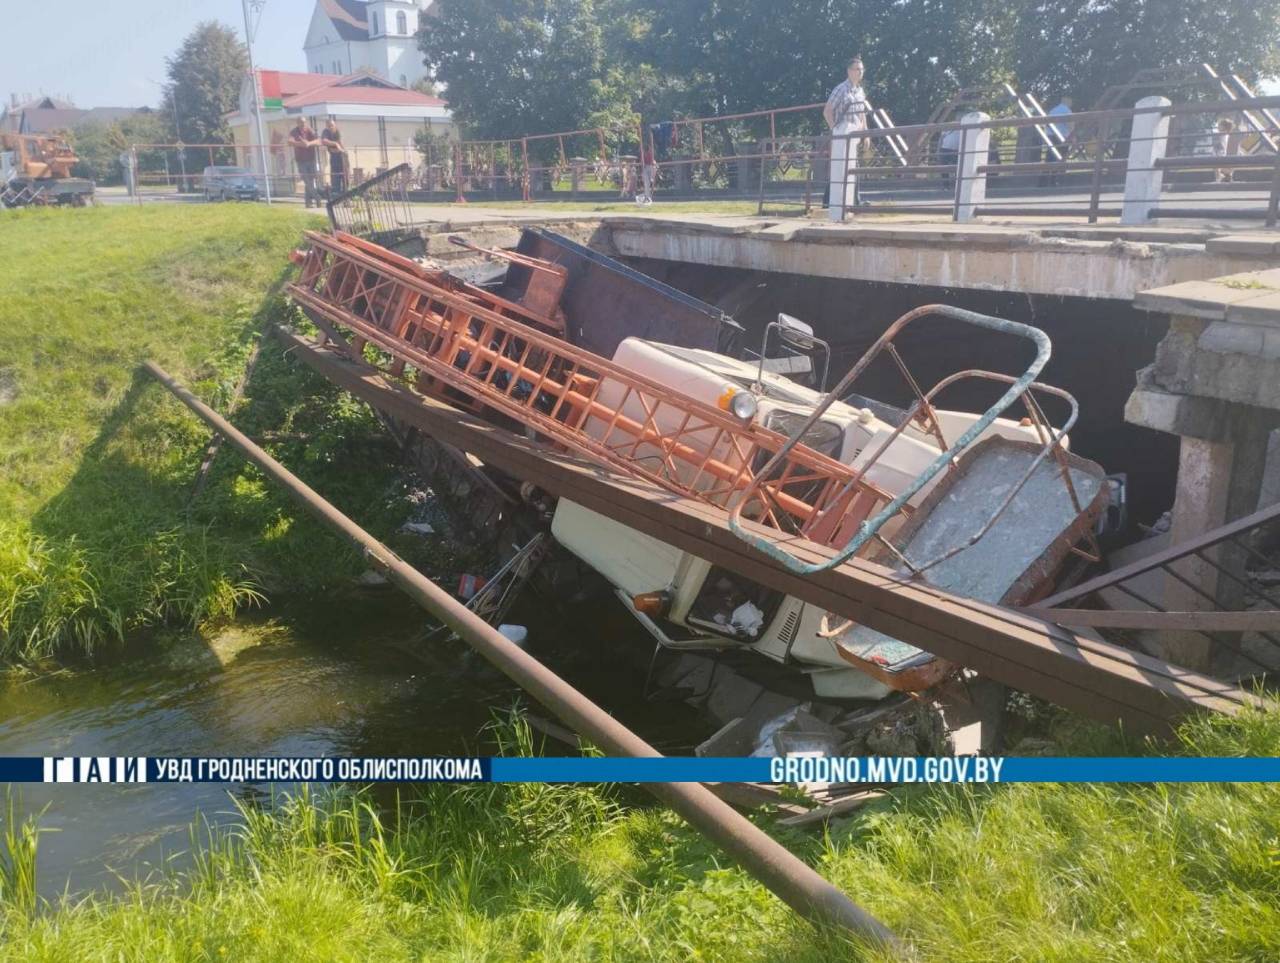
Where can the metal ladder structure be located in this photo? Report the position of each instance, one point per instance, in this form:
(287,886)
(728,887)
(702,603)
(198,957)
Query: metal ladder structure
(481,353)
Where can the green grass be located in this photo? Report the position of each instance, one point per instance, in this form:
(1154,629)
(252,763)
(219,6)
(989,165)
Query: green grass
(520,872)
(99,538)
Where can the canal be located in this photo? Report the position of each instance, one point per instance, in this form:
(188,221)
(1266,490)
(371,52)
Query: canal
(350,675)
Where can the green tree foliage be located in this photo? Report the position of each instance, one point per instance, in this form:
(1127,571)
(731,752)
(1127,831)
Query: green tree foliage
(99,145)
(1081,47)
(516,66)
(204,83)
(533,66)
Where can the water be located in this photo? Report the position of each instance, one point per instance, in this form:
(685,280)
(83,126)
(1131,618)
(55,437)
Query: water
(331,679)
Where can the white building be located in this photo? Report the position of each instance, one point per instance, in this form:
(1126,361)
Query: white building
(347,36)
(378,119)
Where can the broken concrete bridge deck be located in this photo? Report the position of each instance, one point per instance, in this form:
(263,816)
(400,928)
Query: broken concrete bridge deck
(1037,256)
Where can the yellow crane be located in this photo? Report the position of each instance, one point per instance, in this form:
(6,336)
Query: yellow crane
(36,169)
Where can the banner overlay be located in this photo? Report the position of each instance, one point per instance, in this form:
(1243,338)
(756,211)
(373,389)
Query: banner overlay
(870,770)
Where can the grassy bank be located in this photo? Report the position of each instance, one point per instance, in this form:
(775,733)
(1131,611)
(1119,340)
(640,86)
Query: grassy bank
(99,535)
(567,873)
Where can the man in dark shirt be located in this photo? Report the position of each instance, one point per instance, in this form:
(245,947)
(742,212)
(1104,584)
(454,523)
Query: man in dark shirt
(303,140)
(331,138)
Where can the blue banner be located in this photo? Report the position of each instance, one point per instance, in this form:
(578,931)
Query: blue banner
(866,770)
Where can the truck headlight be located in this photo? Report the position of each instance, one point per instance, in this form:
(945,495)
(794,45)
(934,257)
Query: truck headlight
(739,402)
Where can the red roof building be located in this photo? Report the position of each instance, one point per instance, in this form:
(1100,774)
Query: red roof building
(378,119)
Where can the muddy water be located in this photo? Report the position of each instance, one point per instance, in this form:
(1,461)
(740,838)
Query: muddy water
(323,679)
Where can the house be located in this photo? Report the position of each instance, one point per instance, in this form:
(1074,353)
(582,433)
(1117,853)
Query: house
(346,36)
(378,119)
(47,115)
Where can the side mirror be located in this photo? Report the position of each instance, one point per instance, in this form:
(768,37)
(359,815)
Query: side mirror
(799,337)
(796,334)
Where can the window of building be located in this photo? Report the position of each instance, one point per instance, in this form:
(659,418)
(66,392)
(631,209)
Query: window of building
(402,22)
(337,66)
(373,24)
(318,69)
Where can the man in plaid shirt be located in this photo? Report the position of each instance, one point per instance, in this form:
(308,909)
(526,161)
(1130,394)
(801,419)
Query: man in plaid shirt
(846,111)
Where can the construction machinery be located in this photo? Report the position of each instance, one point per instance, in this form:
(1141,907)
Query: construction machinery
(36,169)
(985,505)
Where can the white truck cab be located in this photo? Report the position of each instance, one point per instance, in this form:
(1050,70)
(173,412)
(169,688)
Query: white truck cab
(709,607)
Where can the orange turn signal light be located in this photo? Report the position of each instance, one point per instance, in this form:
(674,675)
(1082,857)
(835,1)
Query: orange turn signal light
(652,604)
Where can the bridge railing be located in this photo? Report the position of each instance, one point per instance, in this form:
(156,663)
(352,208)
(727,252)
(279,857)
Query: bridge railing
(1153,160)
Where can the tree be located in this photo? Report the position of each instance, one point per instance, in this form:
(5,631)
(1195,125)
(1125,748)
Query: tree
(513,67)
(204,83)
(1081,47)
(100,145)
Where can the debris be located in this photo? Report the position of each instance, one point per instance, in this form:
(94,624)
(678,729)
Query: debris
(516,633)
(417,528)
(469,585)
(840,807)
(747,618)
(371,579)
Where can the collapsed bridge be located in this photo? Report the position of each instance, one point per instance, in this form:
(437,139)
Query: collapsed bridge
(474,354)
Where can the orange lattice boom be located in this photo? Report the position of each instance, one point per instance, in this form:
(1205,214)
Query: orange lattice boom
(477,350)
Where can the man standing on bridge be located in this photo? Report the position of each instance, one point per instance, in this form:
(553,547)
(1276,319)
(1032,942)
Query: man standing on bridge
(845,112)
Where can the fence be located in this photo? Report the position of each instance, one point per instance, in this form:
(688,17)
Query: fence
(177,169)
(1153,160)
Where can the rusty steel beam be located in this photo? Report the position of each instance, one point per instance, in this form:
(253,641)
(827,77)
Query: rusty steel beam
(1098,679)
(795,883)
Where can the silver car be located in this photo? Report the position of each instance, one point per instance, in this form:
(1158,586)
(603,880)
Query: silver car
(237,183)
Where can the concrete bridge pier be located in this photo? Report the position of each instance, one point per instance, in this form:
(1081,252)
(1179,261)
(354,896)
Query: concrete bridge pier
(1215,383)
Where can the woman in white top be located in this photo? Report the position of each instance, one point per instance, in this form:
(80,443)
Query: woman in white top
(845,112)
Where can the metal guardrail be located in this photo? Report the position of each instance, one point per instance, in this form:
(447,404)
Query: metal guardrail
(1080,164)
(377,209)
(1126,152)
(1214,586)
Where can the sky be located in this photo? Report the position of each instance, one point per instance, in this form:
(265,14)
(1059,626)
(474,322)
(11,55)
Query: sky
(111,53)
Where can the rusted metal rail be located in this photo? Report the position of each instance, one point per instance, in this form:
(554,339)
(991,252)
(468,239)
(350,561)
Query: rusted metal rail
(1098,679)
(799,886)
(1207,574)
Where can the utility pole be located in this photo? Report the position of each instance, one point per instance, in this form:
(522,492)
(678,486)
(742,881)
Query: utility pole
(257,94)
(177,130)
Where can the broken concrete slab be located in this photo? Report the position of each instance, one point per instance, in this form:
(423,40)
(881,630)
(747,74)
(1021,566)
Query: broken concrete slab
(1200,299)
(1244,244)
(1261,310)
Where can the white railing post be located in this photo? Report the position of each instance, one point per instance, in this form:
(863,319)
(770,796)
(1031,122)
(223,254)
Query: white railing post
(1147,144)
(971,187)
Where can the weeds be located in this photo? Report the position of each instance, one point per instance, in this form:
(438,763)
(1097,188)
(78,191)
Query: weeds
(101,537)
(517,872)
(18,859)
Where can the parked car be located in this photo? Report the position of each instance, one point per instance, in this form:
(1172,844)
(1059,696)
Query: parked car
(221,183)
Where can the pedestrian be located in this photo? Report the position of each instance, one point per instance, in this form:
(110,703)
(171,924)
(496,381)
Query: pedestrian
(648,171)
(1050,144)
(1058,135)
(331,138)
(845,112)
(949,154)
(1060,131)
(303,140)
(1224,145)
